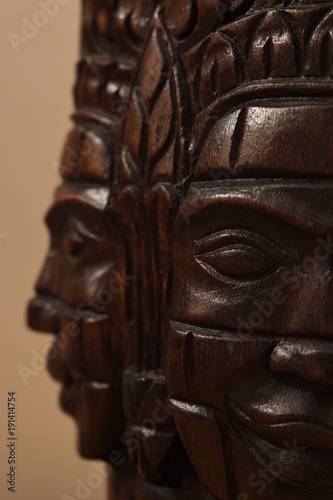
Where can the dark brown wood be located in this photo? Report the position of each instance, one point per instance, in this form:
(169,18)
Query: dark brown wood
(189,278)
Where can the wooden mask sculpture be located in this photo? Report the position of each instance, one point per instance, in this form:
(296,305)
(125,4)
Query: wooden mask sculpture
(190,269)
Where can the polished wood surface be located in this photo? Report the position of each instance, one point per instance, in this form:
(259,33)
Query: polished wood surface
(189,278)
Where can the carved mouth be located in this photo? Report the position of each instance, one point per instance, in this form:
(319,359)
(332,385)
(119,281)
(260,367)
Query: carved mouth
(82,359)
(71,392)
(45,311)
(316,436)
(294,452)
(81,349)
(96,408)
(69,398)
(43,314)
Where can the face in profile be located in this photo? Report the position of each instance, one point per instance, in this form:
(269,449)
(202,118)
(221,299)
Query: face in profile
(250,346)
(81,290)
(80,299)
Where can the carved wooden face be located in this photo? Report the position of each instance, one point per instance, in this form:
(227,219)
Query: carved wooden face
(250,347)
(81,300)
(223,193)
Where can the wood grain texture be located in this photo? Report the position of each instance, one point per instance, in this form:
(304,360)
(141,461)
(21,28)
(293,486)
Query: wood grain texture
(189,278)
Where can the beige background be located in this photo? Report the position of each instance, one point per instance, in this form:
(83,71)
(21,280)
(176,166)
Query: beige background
(36,101)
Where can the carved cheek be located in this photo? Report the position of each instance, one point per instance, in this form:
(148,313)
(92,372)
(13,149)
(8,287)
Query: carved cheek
(208,366)
(94,286)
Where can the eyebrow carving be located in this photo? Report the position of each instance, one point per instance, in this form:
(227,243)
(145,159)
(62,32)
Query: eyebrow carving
(76,203)
(302,203)
(93,195)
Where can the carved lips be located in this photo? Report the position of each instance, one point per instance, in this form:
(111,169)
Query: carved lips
(81,359)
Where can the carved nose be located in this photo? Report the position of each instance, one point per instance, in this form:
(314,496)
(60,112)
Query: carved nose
(308,359)
(43,310)
(49,279)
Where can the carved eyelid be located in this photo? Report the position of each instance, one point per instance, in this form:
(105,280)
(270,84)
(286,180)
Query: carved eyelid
(76,237)
(230,237)
(81,229)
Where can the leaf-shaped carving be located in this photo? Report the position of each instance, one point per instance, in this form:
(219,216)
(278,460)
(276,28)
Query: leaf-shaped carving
(156,130)
(319,51)
(161,123)
(273,52)
(220,68)
(181,17)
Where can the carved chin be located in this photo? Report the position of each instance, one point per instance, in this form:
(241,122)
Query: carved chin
(96,407)
(223,447)
(83,361)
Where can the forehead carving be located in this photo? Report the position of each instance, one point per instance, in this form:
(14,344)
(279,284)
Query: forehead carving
(288,200)
(89,153)
(283,49)
(263,138)
(204,103)
(95,196)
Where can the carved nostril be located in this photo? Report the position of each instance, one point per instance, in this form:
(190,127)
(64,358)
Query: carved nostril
(308,359)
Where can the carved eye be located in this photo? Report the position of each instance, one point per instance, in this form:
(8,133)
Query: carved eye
(73,242)
(239,254)
(76,237)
